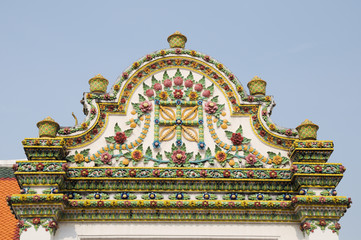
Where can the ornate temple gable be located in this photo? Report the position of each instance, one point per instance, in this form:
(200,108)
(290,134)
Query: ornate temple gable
(178,132)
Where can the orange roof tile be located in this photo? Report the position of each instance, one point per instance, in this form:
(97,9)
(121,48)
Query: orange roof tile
(8,229)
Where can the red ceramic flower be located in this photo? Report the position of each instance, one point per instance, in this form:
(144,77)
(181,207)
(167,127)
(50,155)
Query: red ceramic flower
(273,174)
(237,139)
(226,173)
(36,221)
(178,81)
(250,174)
(132,172)
(156,172)
(198,87)
(203,173)
(100,203)
(157,86)
(318,169)
(120,137)
(179,173)
(153,203)
(188,83)
(322,222)
(257,204)
(39,167)
(108,172)
(178,93)
(167,83)
(84,173)
(150,92)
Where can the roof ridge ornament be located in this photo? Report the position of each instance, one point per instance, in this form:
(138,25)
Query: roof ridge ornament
(177,40)
(257,86)
(307,130)
(98,84)
(48,127)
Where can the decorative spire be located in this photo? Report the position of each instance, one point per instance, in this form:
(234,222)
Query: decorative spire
(177,40)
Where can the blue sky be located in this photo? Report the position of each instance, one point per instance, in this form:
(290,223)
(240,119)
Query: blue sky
(308,52)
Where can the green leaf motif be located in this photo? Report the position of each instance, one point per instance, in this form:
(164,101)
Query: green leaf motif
(117,128)
(211,88)
(215,99)
(229,134)
(148,152)
(202,81)
(165,75)
(189,155)
(246,140)
(159,156)
(174,147)
(183,147)
(154,80)
(128,132)
(178,74)
(217,149)
(140,148)
(198,157)
(271,154)
(190,76)
(85,152)
(145,87)
(208,153)
(110,139)
(168,155)
(70,158)
(141,98)
(240,130)
(128,155)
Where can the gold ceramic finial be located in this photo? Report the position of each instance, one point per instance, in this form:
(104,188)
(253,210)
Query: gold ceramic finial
(257,86)
(48,127)
(177,40)
(98,84)
(256,78)
(307,130)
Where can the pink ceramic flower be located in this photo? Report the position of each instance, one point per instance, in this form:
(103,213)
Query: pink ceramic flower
(167,83)
(146,106)
(198,87)
(188,83)
(206,93)
(106,158)
(210,107)
(178,81)
(149,93)
(158,86)
(251,159)
(179,157)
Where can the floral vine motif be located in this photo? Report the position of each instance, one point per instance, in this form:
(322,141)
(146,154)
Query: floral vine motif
(178,157)
(79,157)
(277,159)
(120,136)
(307,227)
(335,227)
(237,138)
(23,226)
